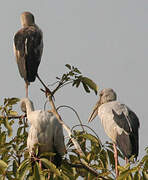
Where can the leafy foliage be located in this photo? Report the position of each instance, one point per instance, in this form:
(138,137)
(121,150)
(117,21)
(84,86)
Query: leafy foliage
(97,162)
(75,77)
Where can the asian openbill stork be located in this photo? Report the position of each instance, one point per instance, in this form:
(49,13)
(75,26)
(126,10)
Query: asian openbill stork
(45,130)
(120,123)
(28,47)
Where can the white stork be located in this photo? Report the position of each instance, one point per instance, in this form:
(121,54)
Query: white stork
(120,123)
(28,47)
(45,130)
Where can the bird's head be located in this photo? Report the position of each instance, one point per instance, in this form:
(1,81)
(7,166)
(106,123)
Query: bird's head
(24,102)
(27,19)
(106,95)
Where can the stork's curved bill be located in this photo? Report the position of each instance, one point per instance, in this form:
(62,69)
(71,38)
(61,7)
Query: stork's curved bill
(94,112)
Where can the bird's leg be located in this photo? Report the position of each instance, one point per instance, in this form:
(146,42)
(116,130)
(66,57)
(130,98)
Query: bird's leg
(40,164)
(126,160)
(26,87)
(48,175)
(116,160)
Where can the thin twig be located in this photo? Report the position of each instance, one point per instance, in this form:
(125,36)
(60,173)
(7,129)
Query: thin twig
(66,83)
(74,112)
(88,128)
(77,146)
(12,117)
(58,86)
(53,83)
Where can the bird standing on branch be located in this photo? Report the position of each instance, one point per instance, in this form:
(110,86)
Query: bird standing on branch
(120,123)
(28,47)
(45,130)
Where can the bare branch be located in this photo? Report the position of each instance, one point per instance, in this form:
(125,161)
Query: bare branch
(13,117)
(76,144)
(75,113)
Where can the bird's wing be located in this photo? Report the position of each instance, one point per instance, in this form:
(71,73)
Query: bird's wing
(122,121)
(133,120)
(129,121)
(58,139)
(28,47)
(126,119)
(134,136)
(20,59)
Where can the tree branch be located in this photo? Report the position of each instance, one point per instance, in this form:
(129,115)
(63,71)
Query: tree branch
(12,117)
(76,144)
(82,166)
(65,106)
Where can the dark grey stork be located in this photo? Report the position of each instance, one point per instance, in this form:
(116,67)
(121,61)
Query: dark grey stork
(28,47)
(45,130)
(120,123)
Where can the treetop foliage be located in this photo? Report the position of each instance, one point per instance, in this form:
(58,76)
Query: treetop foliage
(97,161)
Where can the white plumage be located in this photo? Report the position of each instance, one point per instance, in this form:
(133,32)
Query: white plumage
(45,129)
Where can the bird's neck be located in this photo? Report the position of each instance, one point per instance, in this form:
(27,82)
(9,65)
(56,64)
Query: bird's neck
(29,107)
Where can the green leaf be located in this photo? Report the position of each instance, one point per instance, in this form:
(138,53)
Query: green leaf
(37,172)
(23,169)
(68,66)
(23,164)
(92,85)
(13,113)
(47,154)
(15,166)
(9,128)
(19,130)
(10,101)
(3,166)
(66,166)
(2,138)
(89,137)
(73,159)
(76,82)
(103,158)
(126,173)
(136,176)
(50,166)
(144,160)
(144,176)
(145,165)
(77,71)
(86,87)
(111,158)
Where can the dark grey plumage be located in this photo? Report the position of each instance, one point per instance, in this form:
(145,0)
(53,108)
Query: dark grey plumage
(130,126)
(28,48)
(28,41)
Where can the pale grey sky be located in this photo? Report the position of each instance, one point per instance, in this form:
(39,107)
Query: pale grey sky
(106,40)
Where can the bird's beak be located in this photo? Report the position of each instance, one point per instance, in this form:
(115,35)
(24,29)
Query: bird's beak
(95,111)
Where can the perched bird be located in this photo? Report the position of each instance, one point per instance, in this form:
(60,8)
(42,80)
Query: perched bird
(28,47)
(120,123)
(45,130)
